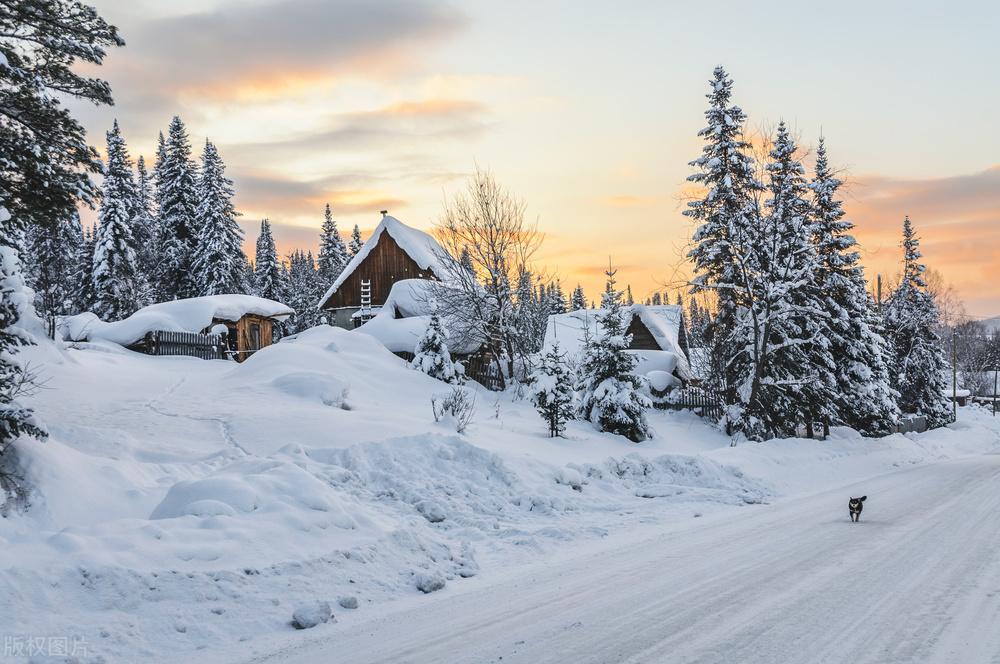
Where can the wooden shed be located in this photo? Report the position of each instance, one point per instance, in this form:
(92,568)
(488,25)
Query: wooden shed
(211,327)
(394,252)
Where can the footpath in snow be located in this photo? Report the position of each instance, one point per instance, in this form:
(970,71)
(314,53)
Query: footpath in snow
(186,508)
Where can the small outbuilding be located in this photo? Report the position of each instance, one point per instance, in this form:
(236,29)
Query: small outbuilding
(214,326)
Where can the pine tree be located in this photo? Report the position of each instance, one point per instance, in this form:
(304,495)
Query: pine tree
(864,398)
(46,163)
(15,300)
(268,271)
(727,216)
(218,264)
(578,300)
(118,285)
(656,299)
(355,246)
(609,391)
(54,250)
(332,252)
(629,300)
(911,318)
(552,391)
(177,201)
(431,355)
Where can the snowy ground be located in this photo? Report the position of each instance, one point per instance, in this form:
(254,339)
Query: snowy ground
(187,508)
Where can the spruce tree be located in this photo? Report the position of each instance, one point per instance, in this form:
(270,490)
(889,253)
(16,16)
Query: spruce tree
(218,264)
(864,398)
(911,317)
(431,355)
(144,226)
(268,271)
(552,391)
(15,419)
(119,288)
(609,392)
(83,272)
(727,217)
(304,290)
(46,162)
(629,300)
(578,300)
(177,201)
(355,246)
(557,299)
(54,250)
(332,251)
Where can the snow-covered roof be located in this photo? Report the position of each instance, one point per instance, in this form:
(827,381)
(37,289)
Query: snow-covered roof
(411,300)
(418,245)
(571,330)
(189,315)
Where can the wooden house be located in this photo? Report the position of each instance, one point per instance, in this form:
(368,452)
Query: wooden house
(657,338)
(211,327)
(393,253)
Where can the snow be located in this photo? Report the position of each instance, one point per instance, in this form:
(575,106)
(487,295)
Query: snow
(571,330)
(189,315)
(410,300)
(421,247)
(214,500)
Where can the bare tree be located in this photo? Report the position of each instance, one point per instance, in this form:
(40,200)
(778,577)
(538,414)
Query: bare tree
(488,246)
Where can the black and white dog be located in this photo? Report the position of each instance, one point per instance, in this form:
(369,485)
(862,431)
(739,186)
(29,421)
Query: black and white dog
(854,506)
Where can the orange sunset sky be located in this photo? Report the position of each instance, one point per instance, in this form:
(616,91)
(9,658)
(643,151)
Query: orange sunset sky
(588,110)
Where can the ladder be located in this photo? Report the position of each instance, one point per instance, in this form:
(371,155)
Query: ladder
(366,299)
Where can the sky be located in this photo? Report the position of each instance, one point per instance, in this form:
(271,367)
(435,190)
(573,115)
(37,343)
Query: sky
(587,110)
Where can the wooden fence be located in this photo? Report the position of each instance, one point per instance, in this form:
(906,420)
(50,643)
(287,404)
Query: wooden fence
(705,404)
(204,346)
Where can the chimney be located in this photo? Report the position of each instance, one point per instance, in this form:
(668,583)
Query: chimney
(384,212)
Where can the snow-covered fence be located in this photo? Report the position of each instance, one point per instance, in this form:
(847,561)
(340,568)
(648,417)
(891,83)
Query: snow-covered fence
(204,346)
(912,423)
(701,402)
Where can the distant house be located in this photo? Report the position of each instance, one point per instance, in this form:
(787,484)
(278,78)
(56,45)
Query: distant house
(215,326)
(394,252)
(656,331)
(402,320)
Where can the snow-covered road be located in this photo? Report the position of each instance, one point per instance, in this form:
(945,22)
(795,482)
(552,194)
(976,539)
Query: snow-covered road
(918,580)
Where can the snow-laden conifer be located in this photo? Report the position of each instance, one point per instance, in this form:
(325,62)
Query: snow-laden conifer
(119,286)
(332,251)
(355,246)
(608,390)
(578,300)
(863,397)
(219,261)
(268,271)
(552,391)
(911,318)
(431,355)
(176,192)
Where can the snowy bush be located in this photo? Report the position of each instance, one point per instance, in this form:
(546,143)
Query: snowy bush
(311,614)
(457,407)
(552,392)
(431,354)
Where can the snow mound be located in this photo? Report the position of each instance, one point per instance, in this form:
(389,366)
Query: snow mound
(428,583)
(311,614)
(190,315)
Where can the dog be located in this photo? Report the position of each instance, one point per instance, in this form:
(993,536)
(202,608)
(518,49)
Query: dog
(854,507)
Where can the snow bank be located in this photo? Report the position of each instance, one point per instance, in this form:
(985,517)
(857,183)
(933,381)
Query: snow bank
(191,315)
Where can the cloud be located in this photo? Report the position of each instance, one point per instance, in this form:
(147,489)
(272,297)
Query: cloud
(258,194)
(957,218)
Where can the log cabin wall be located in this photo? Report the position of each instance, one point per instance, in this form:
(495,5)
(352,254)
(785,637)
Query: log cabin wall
(386,264)
(642,338)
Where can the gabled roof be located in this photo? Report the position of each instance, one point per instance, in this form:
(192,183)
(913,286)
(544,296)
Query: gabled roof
(418,245)
(572,329)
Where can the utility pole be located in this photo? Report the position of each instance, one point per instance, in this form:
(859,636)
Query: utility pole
(954,378)
(878,292)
